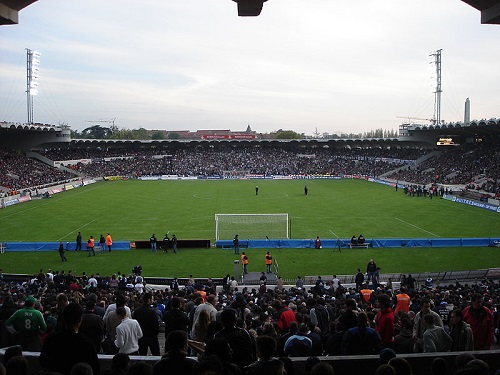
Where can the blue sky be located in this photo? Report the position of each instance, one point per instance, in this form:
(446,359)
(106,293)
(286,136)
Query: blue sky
(304,65)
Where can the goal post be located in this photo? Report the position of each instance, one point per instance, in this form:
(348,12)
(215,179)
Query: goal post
(251,226)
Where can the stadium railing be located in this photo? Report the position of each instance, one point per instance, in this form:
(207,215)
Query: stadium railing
(343,365)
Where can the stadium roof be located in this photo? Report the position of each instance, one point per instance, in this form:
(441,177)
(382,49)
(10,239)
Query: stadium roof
(490,10)
(9,10)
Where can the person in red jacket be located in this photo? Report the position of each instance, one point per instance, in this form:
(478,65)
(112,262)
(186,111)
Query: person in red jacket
(384,322)
(284,316)
(480,319)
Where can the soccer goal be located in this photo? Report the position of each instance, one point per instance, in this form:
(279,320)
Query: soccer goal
(255,226)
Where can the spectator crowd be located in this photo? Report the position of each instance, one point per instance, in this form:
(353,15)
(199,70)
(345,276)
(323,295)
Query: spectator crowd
(244,330)
(475,165)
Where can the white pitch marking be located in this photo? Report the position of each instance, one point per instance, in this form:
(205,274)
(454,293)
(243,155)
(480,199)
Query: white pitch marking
(414,226)
(73,231)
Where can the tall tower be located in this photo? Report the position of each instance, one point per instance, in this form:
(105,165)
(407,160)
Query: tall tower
(467,112)
(32,75)
(437,90)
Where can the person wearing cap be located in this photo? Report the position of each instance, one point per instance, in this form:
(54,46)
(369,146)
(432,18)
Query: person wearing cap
(27,323)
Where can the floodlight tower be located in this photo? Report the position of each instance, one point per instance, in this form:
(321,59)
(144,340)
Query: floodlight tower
(32,75)
(437,91)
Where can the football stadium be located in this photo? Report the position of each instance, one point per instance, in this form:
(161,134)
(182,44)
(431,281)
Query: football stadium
(424,210)
(237,252)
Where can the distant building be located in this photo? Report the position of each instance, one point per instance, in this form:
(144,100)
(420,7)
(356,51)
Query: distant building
(210,134)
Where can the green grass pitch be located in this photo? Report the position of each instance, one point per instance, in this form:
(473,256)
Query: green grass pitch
(133,210)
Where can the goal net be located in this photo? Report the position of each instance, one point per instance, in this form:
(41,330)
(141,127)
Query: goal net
(255,226)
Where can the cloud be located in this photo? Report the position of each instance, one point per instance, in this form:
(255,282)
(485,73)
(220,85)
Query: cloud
(302,64)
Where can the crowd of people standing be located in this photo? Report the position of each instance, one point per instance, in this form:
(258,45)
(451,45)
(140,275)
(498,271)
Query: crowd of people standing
(327,319)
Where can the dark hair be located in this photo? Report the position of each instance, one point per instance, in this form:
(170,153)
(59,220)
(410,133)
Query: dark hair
(72,313)
(120,300)
(310,363)
(462,359)
(140,368)
(81,368)
(384,300)
(175,302)
(429,319)
(120,361)
(322,368)
(17,366)
(146,297)
(220,348)
(362,319)
(266,346)
(228,317)
(90,304)
(350,303)
(121,312)
(210,364)
(177,340)
(401,365)
(438,366)
(11,352)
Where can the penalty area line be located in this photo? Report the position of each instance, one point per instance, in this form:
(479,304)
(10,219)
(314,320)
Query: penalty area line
(335,235)
(417,227)
(73,231)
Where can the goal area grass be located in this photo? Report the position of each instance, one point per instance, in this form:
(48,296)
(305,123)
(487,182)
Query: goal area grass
(134,210)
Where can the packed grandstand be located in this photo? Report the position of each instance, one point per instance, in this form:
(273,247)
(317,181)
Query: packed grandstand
(473,165)
(324,313)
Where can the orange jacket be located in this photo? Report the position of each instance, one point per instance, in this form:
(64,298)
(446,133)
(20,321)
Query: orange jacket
(366,294)
(203,295)
(109,241)
(402,303)
(244,259)
(269,259)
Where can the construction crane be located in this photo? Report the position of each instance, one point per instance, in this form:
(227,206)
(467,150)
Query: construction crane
(409,118)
